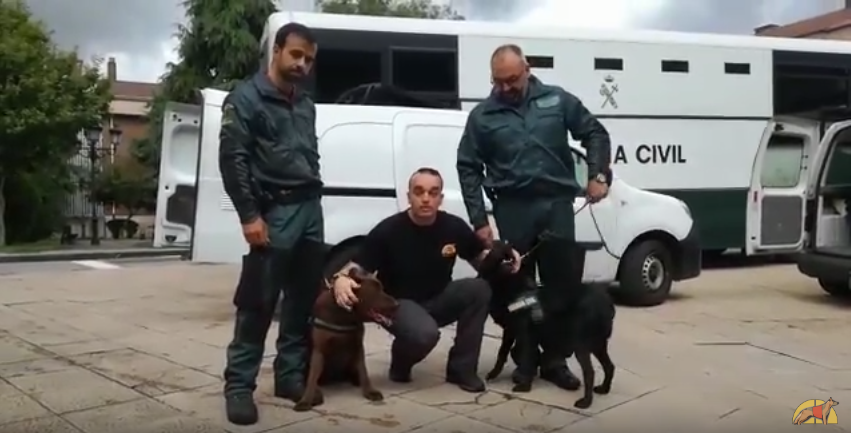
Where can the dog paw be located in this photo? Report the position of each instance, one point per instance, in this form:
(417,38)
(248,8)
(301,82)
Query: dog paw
(302,406)
(583,403)
(373,395)
(318,398)
(522,387)
(602,389)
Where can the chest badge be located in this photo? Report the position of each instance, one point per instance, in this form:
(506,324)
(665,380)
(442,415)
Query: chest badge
(607,91)
(548,102)
(448,251)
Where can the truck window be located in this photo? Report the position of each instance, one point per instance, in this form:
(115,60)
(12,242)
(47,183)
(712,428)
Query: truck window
(783,158)
(423,70)
(337,71)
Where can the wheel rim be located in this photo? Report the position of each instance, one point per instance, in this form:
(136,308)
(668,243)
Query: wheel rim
(653,273)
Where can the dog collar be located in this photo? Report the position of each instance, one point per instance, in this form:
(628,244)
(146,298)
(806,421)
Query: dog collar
(524,302)
(319,323)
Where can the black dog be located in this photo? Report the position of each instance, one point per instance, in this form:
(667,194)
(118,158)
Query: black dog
(518,339)
(584,328)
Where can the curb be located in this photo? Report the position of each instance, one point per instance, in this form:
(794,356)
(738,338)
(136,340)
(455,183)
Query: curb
(63,256)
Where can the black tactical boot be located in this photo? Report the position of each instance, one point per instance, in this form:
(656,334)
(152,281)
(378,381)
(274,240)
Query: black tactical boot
(241,409)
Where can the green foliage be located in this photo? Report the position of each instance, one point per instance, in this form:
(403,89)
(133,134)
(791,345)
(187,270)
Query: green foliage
(393,8)
(129,186)
(34,203)
(47,96)
(219,45)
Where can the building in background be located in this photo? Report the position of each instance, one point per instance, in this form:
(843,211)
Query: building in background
(128,110)
(833,25)
(128,114)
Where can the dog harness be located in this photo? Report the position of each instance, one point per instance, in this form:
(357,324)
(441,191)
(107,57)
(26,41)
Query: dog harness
(328,326)
(818,412)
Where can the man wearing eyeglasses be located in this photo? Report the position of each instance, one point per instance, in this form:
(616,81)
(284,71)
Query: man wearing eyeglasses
(515,148)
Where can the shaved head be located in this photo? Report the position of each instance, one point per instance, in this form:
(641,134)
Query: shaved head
(425,194)
(509,73)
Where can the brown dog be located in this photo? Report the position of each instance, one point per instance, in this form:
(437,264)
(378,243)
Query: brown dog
(337,338)
(821,412)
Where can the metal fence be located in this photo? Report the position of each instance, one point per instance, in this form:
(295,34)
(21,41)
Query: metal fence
(78,204)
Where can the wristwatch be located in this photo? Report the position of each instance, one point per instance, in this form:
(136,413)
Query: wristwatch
(601,178)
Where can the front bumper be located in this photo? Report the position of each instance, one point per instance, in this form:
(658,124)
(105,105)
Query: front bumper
(690,259)
(823,266)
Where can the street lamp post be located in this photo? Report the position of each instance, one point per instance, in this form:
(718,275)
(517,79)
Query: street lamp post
(93,135)
(115,136)
(93,138)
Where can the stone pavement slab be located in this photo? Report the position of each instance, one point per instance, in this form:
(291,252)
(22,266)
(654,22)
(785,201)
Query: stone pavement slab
(142,350)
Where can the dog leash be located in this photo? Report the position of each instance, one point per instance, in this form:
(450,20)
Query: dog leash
(588,205)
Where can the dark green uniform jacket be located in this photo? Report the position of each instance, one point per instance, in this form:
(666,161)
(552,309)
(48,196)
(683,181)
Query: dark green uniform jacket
(268,143)
(524,148)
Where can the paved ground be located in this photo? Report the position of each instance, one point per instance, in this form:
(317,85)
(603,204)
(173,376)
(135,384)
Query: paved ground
(84,265)
(140,349)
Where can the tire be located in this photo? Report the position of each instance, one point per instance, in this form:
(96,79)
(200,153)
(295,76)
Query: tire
(840,289)
(645,274)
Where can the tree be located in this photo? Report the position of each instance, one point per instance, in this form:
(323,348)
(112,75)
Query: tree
(392,8)
(47,96)
(219,45)
(128,186)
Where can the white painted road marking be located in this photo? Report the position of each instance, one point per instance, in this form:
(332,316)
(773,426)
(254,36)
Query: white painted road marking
(96,264)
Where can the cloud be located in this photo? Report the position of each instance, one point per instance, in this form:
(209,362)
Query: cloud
(139,33)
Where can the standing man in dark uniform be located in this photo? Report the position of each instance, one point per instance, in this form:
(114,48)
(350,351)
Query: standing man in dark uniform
(515,147)
(269,162)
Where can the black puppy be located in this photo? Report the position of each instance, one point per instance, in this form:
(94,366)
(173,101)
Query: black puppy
(584,327)
(518,338)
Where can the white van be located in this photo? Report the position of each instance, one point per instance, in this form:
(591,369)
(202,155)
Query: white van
(827,250)
(368,154)
(686,111)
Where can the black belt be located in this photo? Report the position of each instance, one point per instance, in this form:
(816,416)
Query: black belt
(272,195)
(532,192)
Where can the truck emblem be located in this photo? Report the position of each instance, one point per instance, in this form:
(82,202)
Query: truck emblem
(607,91)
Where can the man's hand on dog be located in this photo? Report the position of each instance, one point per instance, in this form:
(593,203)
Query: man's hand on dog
(485,235)
(344,291)
(513,265)
(516,261)
(256,233)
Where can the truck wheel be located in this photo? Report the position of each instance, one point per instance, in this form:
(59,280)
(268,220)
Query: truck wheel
(840,289)
(645,274)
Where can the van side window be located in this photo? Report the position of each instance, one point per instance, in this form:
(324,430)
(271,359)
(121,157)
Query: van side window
(264,54)
(783,159)
(838,172)
(580,169)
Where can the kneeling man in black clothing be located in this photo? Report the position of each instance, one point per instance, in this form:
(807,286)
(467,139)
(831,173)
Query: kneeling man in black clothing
(414,253)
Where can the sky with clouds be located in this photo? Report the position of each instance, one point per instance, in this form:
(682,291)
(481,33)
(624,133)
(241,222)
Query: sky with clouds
(139,34)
